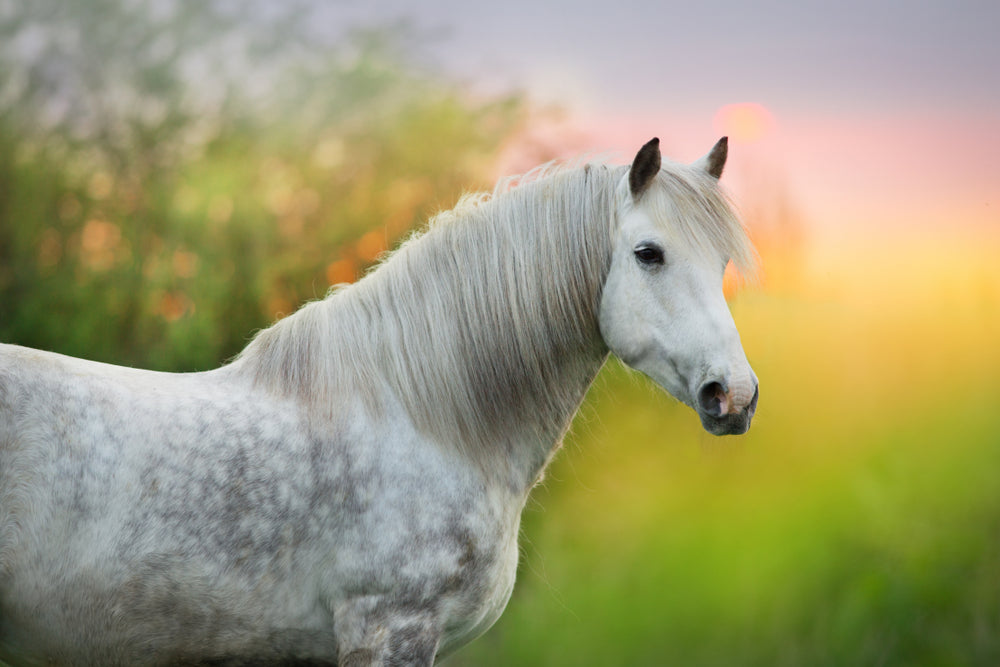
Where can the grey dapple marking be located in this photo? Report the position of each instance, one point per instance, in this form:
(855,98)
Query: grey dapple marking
(348,490)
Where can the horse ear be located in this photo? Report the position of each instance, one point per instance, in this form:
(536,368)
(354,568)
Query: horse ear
(645,167)
(715,161)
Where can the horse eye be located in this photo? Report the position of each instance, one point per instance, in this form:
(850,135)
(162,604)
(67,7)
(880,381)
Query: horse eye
(649,254)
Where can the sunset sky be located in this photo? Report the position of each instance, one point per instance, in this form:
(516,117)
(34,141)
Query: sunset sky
(872,114)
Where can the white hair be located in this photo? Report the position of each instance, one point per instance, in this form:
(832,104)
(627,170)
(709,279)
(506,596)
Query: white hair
(700,215)
(475,318)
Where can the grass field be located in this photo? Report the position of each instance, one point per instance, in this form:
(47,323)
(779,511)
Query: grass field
(858,523)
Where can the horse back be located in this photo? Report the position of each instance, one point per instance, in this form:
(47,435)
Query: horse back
(153,496)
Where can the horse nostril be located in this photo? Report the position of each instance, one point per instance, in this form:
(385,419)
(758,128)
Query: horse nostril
(712,399)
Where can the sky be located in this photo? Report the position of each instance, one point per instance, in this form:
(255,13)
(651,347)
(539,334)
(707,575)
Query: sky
(871,113)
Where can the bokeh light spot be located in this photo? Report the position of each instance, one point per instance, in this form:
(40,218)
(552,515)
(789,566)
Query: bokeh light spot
(745,122)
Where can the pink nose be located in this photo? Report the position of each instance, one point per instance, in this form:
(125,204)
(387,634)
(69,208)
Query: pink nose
(715,400)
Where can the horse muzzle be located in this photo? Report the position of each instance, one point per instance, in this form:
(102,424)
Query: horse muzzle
(725,412)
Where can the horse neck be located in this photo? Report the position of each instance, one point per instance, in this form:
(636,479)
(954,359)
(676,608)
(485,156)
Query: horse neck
(485,329)
(508,294)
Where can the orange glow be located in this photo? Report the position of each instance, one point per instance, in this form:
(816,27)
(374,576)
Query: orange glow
(341,271)
(371,245)
(101,245)
(175,305)
(745,122)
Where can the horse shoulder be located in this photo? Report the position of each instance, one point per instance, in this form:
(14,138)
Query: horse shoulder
(432,560)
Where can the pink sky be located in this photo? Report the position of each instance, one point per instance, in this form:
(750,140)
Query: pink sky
(886,113)
(932,172)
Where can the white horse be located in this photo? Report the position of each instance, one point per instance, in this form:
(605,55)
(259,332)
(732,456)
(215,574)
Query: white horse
(348,490)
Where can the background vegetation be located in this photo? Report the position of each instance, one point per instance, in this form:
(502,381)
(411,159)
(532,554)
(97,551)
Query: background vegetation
(174,176)
(858,523)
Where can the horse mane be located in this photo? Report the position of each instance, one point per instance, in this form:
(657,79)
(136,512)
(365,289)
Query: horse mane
(473,320)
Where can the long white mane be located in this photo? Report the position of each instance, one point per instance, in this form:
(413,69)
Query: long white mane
(474,319)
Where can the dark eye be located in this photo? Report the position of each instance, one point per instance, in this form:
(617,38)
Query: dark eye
(649,254)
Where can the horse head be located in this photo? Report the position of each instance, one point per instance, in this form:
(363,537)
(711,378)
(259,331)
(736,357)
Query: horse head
(662,309)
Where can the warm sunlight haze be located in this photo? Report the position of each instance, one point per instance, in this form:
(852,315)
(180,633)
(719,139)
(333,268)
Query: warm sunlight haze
(744,122)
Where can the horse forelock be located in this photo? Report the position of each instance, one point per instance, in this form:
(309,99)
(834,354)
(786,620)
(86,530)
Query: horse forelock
(697,212)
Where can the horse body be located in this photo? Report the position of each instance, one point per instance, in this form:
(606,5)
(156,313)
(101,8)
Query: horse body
(154,544)
(349,489)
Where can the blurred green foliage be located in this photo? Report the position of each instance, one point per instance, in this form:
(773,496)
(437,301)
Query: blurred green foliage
(173,176)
